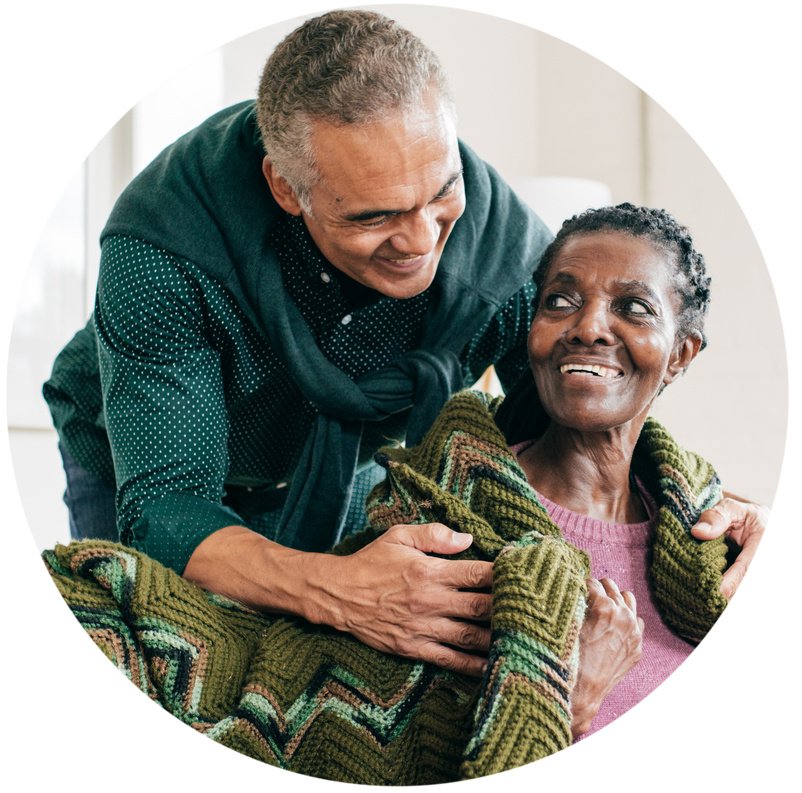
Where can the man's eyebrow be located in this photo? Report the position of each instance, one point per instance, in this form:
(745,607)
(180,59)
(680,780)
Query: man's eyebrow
(369,214)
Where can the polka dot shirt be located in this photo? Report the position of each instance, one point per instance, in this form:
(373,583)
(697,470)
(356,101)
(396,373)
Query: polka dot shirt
(202,425)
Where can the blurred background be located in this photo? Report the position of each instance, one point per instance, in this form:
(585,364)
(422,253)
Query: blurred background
(562,128)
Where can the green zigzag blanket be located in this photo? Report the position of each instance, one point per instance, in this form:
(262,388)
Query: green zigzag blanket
(309,699)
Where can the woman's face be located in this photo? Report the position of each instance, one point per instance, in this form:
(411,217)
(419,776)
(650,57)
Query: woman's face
(603,340)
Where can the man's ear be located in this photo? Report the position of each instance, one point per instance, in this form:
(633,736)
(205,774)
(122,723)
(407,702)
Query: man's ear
(685,351)
(280,188)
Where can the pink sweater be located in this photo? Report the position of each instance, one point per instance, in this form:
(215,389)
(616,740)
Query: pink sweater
(619,551)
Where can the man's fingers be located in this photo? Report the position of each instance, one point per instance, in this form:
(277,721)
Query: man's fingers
(463,635)
(430,538)
(476,606)
(463,574)
(715,521)
(731,580)
(453,660)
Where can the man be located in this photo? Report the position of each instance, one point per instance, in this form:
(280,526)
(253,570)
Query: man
(282,291)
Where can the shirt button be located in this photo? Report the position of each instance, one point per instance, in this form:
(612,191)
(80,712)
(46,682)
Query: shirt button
(346,319)
(325,277)
(280,485)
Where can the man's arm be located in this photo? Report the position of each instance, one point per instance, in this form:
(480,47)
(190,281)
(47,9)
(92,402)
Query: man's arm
(390,594)
(168,425)
(740,520)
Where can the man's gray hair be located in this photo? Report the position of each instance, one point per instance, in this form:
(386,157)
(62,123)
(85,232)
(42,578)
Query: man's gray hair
(347,67)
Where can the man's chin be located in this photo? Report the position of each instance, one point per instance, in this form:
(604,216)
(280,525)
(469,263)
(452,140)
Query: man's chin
(401,283)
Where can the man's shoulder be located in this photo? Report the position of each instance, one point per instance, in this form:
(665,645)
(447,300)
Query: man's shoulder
(204,198)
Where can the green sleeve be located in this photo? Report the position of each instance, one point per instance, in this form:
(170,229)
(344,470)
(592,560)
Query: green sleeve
(164,402)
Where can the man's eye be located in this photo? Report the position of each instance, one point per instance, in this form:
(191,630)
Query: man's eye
(372,223)
(448,189)
(636,307)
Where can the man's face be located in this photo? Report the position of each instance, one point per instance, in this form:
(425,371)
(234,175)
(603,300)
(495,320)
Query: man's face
(388,197)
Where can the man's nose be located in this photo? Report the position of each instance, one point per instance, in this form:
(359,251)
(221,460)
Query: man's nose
(418,233)
(592,325)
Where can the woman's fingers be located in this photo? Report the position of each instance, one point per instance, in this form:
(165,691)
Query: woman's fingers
(629,599)
(612,591)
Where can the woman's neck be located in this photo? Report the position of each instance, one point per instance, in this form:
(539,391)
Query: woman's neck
(587,473)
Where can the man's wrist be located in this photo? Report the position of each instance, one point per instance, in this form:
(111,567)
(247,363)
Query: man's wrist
(245,566)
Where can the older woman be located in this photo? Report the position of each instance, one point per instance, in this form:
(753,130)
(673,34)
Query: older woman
(622,297)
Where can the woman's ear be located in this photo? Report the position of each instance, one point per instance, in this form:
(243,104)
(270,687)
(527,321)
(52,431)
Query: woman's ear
(280,188)
(685,351)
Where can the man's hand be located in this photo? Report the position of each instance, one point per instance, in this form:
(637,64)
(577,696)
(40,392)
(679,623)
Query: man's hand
(392,596)
(610,644)
(741,521)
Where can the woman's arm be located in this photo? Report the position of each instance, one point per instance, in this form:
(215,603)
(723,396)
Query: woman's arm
(610,644)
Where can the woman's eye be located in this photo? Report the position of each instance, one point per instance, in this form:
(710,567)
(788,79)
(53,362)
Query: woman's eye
(556,301)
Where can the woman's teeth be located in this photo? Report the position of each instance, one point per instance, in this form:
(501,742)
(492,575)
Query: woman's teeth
(600,371)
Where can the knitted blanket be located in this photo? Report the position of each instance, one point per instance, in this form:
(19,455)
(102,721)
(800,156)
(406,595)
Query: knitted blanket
(315,701)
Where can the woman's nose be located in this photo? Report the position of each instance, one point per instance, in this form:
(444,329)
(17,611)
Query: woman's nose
(592,325)
(418,233)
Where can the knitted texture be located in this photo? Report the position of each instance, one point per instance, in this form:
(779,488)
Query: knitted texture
(315,701)
(685,573)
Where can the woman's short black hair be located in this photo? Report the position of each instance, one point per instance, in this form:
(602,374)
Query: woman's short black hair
(665,234)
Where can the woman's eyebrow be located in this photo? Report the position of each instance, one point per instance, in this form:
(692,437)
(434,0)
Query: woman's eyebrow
(368,214)
(635,285)
(625,285)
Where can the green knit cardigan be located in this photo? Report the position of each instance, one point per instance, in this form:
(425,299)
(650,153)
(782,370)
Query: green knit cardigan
(312,700)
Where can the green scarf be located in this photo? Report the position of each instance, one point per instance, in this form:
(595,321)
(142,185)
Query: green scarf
(205,199)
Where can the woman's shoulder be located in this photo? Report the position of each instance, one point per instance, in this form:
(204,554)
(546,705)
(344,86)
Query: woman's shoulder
(665,465)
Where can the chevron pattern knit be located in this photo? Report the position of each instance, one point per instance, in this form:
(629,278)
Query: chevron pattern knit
(315,701)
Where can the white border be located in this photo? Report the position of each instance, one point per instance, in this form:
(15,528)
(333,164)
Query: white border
(728,72)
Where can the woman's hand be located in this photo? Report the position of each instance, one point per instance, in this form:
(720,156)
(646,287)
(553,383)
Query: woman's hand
(610,644)
(393,596)
(741,521)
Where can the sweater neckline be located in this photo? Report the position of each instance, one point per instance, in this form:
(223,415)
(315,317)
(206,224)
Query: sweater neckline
(583,527)
(576,526)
